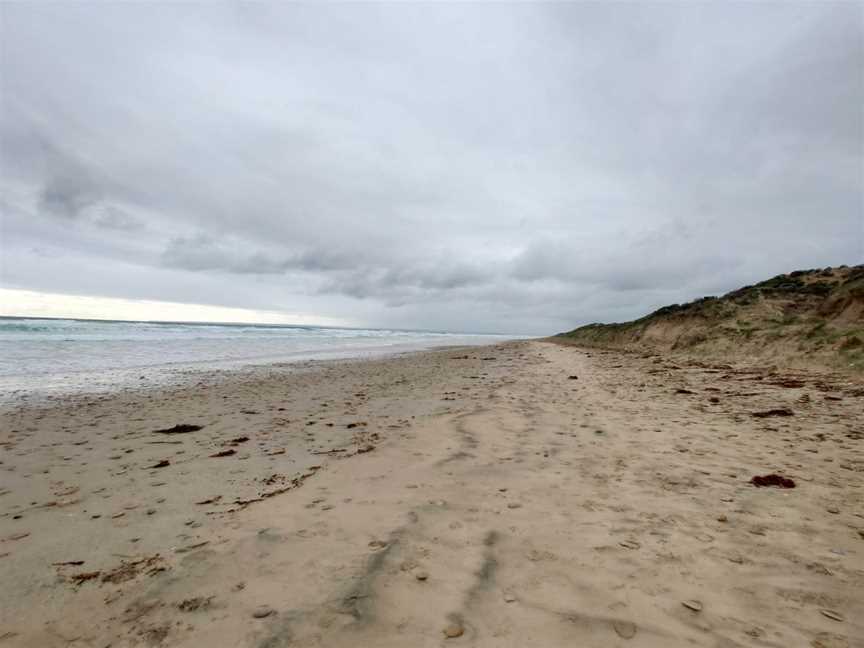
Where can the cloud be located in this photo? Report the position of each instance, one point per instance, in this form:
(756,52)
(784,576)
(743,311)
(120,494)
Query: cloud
(511,167)
(114,218)
(68,189)
(203,253)
(348,273)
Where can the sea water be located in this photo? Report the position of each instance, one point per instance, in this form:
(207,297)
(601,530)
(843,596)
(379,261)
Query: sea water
(40,356)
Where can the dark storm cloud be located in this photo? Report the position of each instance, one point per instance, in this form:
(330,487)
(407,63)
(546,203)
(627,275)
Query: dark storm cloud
(511,167)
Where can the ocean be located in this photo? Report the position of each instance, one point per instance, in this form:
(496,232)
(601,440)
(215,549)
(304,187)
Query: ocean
(53,356)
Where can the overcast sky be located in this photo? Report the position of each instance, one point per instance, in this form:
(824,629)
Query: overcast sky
(518,168)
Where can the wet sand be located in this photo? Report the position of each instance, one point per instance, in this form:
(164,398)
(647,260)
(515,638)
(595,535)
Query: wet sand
(527,494)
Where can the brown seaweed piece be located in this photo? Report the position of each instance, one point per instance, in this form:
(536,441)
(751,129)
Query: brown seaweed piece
(180,428)
(777,411)
(772,480)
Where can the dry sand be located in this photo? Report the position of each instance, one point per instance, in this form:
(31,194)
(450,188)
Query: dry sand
(474,497)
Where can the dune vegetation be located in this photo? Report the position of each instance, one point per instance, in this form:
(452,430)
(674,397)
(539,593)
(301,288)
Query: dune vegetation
(804,318)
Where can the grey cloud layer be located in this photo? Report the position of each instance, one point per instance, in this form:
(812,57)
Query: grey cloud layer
(519,168)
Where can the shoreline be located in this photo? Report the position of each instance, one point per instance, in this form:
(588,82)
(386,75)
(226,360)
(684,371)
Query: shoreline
(477,491)
(36,388)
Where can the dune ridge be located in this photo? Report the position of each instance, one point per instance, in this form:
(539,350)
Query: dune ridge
(807,318)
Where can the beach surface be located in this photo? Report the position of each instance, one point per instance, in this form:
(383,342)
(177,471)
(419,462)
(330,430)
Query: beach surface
(523,494)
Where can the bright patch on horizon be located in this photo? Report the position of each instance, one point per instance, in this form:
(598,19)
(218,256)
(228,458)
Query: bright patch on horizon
(26,303)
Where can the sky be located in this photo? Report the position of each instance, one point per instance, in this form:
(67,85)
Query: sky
(512,168)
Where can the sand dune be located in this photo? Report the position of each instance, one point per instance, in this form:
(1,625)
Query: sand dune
(807,318)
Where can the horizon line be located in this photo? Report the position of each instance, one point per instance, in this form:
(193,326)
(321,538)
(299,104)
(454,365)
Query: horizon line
(257,324)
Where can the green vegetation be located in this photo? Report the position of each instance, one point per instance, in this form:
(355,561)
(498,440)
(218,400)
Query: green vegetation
(818,330)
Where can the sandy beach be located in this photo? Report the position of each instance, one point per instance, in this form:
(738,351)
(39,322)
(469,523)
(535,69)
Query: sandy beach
(524,494)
